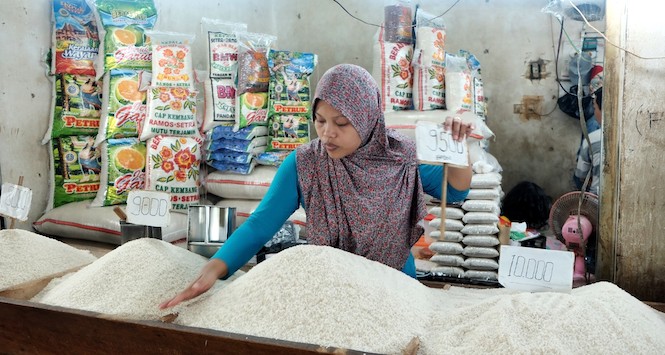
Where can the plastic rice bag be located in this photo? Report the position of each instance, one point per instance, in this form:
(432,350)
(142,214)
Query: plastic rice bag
(75,38)
(123,170)
(124,105)
(171,111)
(429,63)
(77,167)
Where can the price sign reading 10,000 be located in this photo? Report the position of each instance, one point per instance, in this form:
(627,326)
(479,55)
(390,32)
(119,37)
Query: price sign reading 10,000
(435,145)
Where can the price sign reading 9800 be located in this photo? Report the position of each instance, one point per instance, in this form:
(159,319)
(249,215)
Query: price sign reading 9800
(149,208)
(435,145)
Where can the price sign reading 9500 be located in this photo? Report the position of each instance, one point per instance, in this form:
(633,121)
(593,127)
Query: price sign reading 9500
(435,145)
(148,208)
(531,269)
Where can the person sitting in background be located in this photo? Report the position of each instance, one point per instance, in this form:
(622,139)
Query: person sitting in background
(589,155)
(359,182)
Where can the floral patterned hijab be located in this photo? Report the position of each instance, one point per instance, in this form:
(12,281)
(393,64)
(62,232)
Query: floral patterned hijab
(369,202)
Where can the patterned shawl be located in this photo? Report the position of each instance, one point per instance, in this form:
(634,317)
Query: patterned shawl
(369,202)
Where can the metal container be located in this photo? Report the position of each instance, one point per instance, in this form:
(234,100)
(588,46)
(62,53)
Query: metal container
(208,228)
(130,231)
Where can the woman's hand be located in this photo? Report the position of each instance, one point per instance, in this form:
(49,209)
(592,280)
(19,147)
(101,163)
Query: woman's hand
(458,128)
(213,270)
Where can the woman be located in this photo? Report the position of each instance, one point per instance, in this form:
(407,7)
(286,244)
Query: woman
(359,182)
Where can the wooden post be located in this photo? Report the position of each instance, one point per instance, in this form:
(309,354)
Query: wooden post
(444,197)
(12,221)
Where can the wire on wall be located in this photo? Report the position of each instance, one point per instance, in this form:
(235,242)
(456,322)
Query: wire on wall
(375,25)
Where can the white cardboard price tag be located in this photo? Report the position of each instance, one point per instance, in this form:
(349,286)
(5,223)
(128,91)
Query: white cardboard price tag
(15,201)
(149,208)
(533,270)
(436,146)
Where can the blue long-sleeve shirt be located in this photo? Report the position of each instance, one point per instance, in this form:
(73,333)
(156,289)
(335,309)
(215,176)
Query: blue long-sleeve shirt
(284,197)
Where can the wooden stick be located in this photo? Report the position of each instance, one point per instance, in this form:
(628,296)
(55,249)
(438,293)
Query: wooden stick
(12,220)
(444,192)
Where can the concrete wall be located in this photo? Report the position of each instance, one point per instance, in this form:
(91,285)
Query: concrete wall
(505,35)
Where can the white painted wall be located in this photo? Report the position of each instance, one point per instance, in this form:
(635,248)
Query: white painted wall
(504,34)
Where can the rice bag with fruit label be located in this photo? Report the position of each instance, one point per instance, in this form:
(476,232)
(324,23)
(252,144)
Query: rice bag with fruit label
(251,109)
(123,25)
(172,59)
(75,38)
(124,105)
(252,79)
(173,167)
(171,111)
(123,170)
(222,47)
(78,106)
(77,167)
(289,104)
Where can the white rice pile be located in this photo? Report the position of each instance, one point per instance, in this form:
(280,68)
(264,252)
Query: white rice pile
(130,281)
(26,256)
(319,295)
(595,319)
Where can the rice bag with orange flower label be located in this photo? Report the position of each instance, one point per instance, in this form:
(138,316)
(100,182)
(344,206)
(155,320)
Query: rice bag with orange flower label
(123,25)
(222,47)
(173,167)
(77,167)
(393,73)
(124,106)
(78,106)
(459,83)
(172,59)
(75,37)
(429,63)
(123,170)
(171,111)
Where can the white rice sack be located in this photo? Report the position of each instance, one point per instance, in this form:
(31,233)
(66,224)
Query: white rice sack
(449,236)
(245,207)
(484,194)
(480,229)
(250,187)
(447,259)
(481,275)
(481,206)
(27,256)
(171,112)
(447,248)
(480,264)
(448,271)
(485,181)
(481,217)
(451,224)
(131,280)
(172,64)
(480,252)
(459,95)
(392,71)
(220,103)
(222,46)
(429,63)
(481,240)
(451,212)
(303,285)
(77,220)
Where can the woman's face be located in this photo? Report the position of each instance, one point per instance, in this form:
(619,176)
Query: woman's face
(335,131)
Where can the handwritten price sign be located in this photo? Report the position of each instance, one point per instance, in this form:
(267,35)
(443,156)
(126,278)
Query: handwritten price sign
(531,269)
(149,208)
(436,146)
(15,201)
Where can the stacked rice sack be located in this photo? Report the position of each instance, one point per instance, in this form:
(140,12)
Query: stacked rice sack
(448,248)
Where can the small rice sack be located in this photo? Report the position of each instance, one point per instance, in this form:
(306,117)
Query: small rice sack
(77,166)
(480,252)
(458,83)
(451,224)
(480,264)
(123,105)
(222,46)
(473,228)
(220,103)
(234,186)
(429,63)
(123,170)
(393,73)
(77,108)
(75,40)
(447,259)
(481,275)
(171,111)
(480,217)
(481,240)
(173,167)
(450,271)
(451,212)
(172,59)
(80,220)
(492,194)
(485,181)
(481,206)
(449,236)
(446,248)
